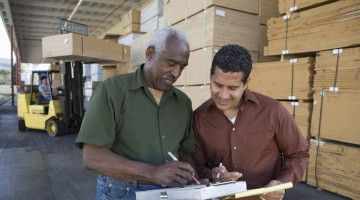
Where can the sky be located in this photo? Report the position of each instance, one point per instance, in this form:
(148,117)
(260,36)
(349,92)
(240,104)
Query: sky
(4,41)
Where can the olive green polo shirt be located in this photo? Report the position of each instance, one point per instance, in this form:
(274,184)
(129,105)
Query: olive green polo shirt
(124,117)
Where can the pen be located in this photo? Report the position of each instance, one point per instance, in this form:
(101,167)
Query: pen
(218,174)
(175,159)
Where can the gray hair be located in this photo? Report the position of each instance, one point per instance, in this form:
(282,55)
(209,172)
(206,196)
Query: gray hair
(159,37)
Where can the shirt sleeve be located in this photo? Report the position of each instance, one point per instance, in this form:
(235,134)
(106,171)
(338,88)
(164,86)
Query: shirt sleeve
(199,155)
(98,126)
(187,145)
(293,146)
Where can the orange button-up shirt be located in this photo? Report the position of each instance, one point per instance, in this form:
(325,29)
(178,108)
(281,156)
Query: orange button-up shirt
(263,144)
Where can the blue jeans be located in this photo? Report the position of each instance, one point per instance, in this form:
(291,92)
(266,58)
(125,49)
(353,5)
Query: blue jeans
(108,188)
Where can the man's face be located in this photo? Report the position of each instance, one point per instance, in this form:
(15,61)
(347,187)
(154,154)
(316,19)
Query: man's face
(167,67)
(45,81)
(227,89)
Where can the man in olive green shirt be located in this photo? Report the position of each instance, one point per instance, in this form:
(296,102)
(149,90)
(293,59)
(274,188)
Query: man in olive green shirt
(134,120)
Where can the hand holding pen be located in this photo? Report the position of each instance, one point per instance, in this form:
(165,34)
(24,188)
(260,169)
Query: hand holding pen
(220,174)
(174,174)
(175,159)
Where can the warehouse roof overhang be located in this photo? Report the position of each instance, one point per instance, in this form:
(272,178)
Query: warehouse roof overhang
(35,19)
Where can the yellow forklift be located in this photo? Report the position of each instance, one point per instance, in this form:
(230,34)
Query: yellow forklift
(64,112)
(36,113)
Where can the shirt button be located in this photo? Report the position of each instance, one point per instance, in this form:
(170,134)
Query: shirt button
(235,148)
(233,129)
(163,136)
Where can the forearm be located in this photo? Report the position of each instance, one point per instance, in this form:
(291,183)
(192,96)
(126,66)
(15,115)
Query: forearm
(108,163)
(293,168)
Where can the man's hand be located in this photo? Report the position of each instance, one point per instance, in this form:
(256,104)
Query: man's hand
(174,173)
(224,175)
(277,195)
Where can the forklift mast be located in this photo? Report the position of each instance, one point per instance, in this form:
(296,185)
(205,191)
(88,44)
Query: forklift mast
(72,102)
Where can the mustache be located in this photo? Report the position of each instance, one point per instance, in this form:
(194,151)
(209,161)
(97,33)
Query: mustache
(169,77)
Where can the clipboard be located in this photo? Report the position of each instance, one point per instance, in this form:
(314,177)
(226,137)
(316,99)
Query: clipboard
(195,192)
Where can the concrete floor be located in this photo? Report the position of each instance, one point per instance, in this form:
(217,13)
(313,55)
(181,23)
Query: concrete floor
(36,166)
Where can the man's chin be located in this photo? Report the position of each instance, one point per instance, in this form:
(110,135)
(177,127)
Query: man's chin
(222,107)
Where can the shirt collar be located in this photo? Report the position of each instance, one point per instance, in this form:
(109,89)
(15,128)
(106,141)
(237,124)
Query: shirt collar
(138,81)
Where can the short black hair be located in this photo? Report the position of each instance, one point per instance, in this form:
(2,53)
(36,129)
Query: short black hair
(43,77)
(233,58)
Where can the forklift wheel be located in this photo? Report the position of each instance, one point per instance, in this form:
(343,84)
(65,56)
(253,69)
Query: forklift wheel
(55,127)
(21,125)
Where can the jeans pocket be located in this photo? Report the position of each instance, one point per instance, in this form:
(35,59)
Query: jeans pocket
(116,190)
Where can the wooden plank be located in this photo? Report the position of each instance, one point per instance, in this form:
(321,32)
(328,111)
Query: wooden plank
(313,30)
(263,41)
(338,70)
(131,17)
(197,94)
(177,10)
(301,112)
(337,168)
(275,79)
(97,48)
(198,70)
(267,9)
(285,5)
(339,116)
(221,26)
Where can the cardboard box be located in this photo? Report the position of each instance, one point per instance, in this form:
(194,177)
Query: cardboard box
(81,48)
(221,26)
(177,10)
(65,45)
(339,113)
(335,167)
(281,80)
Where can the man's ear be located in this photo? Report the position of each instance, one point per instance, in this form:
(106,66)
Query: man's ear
(150,53)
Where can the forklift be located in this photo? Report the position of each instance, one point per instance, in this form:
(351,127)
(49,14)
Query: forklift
(64,111)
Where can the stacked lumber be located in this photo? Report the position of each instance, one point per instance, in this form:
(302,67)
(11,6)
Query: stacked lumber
(151,15)
(336,116)
(301,112)
(314,29)
(288,79)
(267,9)
(197,94)
(338,69)
(335,167)
(286,5)
(129,23)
